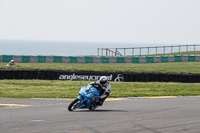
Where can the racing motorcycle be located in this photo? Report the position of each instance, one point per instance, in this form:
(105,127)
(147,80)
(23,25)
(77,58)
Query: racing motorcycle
(88,97)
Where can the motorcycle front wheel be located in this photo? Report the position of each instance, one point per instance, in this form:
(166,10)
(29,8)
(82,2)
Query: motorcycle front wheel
(74,105)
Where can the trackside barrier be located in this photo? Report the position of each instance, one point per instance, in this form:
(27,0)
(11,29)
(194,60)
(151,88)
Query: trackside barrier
(164,59)
(112,60)
(120,59)
(1,58)
(57,59)
(73,59)
(135,60)
(99,59)
(26,59)
(191,58)
(41,59)
(89,60)
(33,59)
(157,59)
(105,59)
(177,58)
(7,58)
(65,59)
(149,59)
(91,75)
(128,60)
(49,59)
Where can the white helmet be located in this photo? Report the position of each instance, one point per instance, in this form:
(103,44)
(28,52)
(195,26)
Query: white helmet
(103,80)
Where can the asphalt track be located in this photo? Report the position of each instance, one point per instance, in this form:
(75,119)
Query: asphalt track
(131,115)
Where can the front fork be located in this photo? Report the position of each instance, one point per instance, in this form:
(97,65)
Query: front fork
(82,100)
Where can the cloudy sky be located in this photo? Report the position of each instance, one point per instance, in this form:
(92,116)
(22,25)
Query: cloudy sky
(132,21)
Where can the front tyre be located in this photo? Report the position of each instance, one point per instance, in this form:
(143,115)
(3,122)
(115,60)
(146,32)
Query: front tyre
(74,105)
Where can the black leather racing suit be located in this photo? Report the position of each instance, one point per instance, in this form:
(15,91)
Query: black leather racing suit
(104,90)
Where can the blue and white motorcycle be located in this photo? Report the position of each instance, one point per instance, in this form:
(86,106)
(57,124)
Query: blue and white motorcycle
(88,97)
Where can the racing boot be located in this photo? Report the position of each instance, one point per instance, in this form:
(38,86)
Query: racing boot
(96,104)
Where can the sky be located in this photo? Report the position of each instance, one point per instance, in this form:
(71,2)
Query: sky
(122,21)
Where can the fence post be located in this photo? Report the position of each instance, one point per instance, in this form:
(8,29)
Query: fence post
(164,50)
(106,51)
(187,48)
(194,49)
(132,51)
(171,49)
(156,50)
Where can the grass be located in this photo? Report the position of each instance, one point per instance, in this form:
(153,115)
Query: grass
(170,67)
(70,89)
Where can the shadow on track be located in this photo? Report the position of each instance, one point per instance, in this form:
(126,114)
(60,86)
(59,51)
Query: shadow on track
(100,110)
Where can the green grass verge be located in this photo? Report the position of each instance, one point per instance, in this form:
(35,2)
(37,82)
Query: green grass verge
(70,89)
(171,67)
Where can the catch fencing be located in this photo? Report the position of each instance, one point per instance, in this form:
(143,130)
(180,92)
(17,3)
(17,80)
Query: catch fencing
(148,50)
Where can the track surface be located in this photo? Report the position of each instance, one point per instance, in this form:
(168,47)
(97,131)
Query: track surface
(134,115)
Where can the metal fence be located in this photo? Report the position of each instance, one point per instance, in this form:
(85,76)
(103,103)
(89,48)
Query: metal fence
(148,50)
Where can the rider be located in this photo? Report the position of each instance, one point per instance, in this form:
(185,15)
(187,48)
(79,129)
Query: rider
(104,88)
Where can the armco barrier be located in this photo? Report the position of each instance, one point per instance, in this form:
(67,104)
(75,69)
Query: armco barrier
(33,59)
(49,59)
(89,60)
(184,58)
(113,59)
(73,59)
(91,75)
(99,59)
(25,59)
(105,59)
(135,60)
(149,59)
(41,59)
(120,59)
(197,57)
(17,58)
(171,59)
(57,59)
(142,60)
(164,59)
(1,58)
(7,58)
(191,58)
(65,59)
(80,59)
(128,60)
(157,59)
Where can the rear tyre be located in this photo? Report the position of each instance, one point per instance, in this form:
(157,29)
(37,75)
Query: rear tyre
(74,105)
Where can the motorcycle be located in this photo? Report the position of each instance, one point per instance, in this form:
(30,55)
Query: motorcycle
(88,97)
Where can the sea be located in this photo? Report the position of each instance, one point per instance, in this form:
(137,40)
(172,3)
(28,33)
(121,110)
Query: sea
(64,48)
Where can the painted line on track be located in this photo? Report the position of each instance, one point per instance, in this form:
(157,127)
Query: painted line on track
(14,105)
(163,97)
(115,99)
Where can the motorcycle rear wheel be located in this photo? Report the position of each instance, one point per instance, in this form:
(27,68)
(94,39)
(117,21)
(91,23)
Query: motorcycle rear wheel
(74,105)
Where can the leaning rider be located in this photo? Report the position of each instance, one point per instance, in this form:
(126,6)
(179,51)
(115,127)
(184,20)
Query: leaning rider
(104,88)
